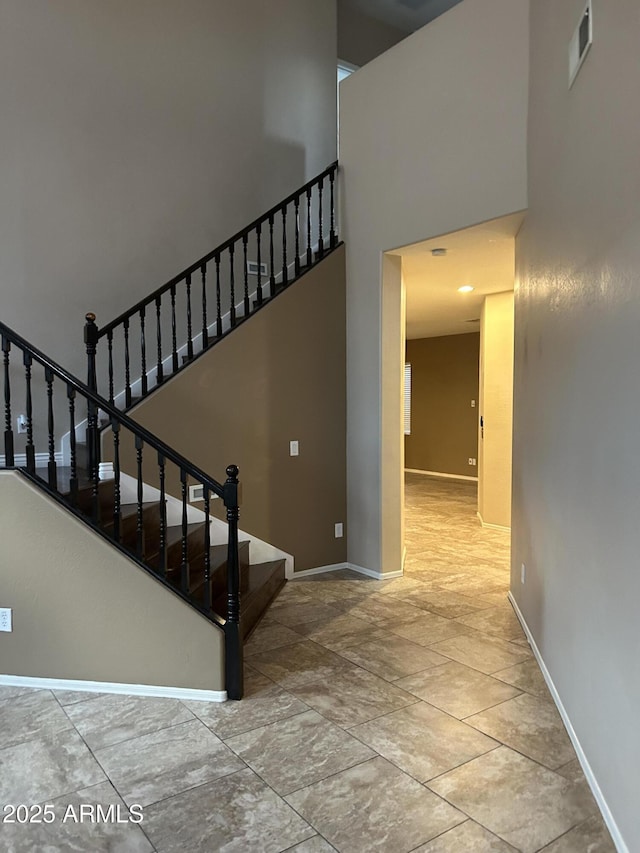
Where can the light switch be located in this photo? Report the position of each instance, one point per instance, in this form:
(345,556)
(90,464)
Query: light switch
(294,448)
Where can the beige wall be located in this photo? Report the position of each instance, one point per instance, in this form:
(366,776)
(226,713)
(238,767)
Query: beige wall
(419,159)
(277,378)
(576,500)
(496,409)
(138,135)
(444,426)
(360,37)
(83,611)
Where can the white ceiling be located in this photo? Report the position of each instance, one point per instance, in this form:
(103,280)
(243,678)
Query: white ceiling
(407,15)
(482,256)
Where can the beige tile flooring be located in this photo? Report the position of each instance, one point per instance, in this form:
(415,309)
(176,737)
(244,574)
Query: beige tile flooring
(406,715)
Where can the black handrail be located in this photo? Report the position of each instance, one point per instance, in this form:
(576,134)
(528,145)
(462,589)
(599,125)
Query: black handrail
(210,256)
(195,309)
(101,509)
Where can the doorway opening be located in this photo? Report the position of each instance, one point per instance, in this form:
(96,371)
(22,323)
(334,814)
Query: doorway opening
(457,410)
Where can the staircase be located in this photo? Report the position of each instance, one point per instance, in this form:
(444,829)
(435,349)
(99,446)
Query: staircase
(122,480)
(164,332)
(259,583)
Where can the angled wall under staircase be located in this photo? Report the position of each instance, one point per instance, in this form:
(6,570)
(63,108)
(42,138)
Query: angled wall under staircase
(82,611)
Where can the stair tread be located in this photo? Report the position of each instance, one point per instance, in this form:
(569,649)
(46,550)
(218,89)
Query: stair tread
(218,561)
(257,575)
(129,510)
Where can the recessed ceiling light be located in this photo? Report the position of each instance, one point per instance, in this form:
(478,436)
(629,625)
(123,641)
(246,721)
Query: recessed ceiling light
(466,288)
(438,253)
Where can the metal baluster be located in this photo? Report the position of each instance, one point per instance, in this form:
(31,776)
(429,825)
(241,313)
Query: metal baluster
(143,351)
(320,241)
(258,242)
(333,240)
(272,277)
(162,553)
(30,449)
(115,429)
(127,366)
(297,227)
(285,273)
(247,301)
(51,467)
(207,550)
(110,349)
(309,252)
(174,340)
(205,330)
(139,519)
(232,289)
(189,326)
(159,370)
(73,479)
(184,564)
(234,666)
(8,431)
(218,299)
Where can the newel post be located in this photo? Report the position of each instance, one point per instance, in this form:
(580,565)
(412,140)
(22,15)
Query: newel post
(234,664)
(93,438)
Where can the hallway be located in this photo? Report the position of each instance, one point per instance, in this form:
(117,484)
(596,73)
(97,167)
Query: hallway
(406,715)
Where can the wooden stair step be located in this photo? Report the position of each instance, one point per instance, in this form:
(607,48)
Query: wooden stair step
(129,523)
(218,572)
(263,582)
(195,545)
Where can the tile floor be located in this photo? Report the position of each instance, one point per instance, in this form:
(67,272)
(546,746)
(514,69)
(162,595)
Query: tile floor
(406,715)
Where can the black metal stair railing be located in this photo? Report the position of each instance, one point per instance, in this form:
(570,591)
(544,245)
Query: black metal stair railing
(199,306)
(35,381)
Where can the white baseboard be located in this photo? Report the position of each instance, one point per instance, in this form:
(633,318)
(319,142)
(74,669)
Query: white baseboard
(42,460)
(371,573)
(493,526)
(582,758)
(152,690)
(441,474)
(336,567)
(320,570)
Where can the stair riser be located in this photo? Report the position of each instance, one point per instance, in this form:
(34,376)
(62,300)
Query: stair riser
(129,528)
(253,607)
(106,498)
(218,576)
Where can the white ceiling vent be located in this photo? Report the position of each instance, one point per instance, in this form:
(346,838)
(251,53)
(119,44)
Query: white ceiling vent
(580,43)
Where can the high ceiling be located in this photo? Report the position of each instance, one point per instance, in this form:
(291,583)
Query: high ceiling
(481,256)
(407,15)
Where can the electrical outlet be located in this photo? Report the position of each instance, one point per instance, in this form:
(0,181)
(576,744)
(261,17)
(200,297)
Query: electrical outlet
(523,573)
(294,448)
(6,620)
(472,460)
(339,530)
(21,422)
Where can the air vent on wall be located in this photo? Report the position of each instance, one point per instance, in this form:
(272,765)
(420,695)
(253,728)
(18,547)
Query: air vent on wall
(580,43)
(252,268)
